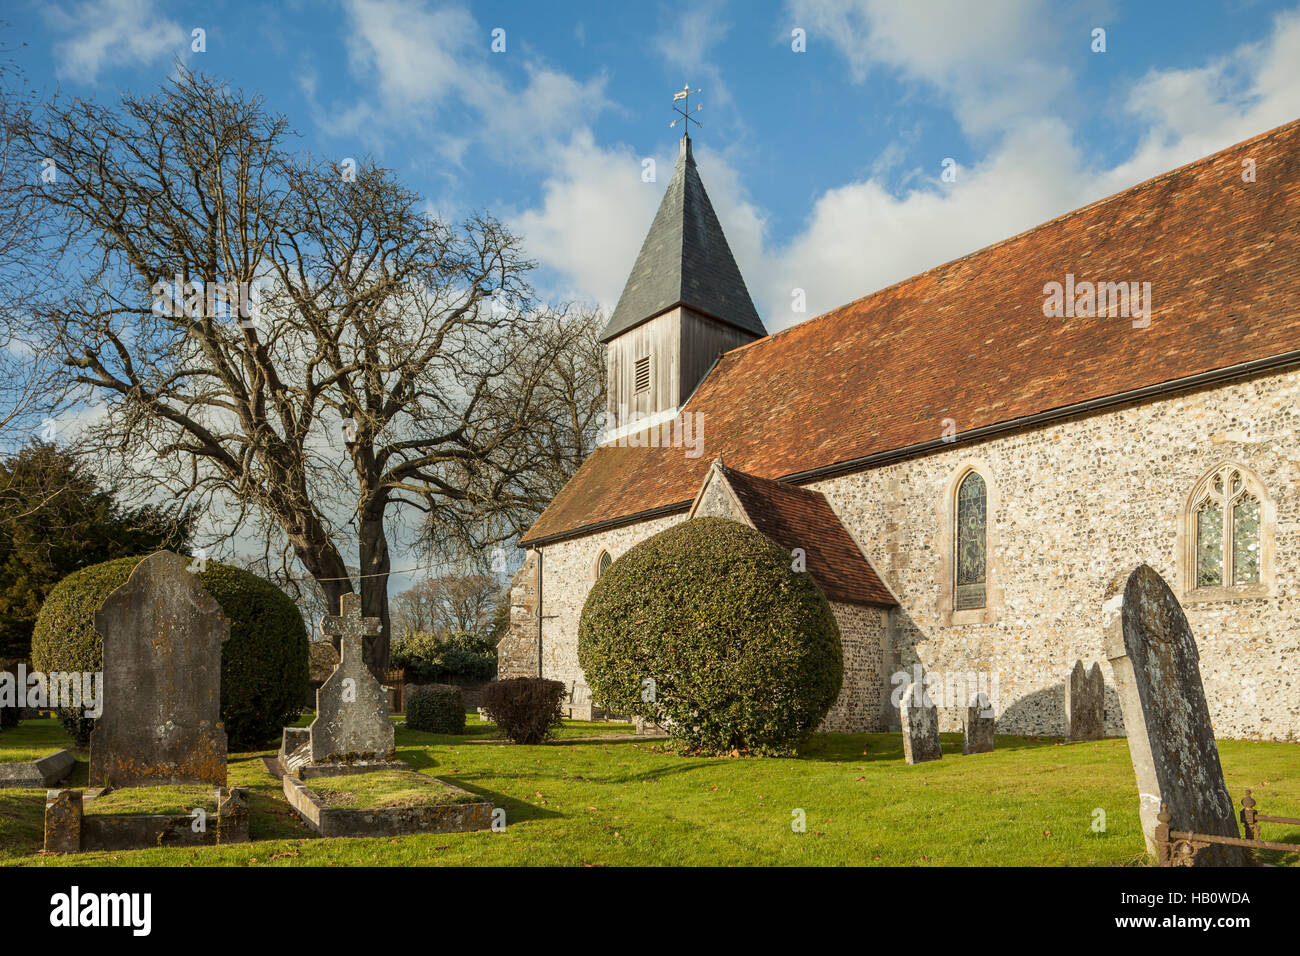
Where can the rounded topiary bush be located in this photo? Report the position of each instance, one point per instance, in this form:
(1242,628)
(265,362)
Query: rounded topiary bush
(435,708)
(263,663)
(707,629)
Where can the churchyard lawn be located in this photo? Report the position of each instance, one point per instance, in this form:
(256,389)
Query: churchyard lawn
(579,801)
(32,740)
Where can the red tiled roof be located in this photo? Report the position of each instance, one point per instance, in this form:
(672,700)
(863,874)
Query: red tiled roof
(968,341)
(797,517)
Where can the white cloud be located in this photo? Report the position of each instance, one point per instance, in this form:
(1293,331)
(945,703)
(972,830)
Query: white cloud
(426,63)
(1190,113)
(414,54)
(102,33)
(993,60)
(592,217)
(860,236)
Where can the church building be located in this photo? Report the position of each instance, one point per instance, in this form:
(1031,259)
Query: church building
(964,459)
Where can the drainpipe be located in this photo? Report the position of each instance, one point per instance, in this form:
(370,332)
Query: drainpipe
(540,580)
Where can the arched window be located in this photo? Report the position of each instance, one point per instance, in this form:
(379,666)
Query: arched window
(971,543)
(603,563)
(1227,529)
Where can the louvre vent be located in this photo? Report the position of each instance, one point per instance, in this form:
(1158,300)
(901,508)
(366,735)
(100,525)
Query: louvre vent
(643,374)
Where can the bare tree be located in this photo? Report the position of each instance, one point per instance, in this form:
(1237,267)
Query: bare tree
(570,397)
(28,252)
(392,361)
(447,604)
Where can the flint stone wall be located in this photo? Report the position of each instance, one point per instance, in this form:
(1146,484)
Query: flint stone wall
(1070,504)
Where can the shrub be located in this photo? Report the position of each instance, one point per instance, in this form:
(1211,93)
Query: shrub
(527,709)
(706,629)
(431,658)
(263,663)
(435,708)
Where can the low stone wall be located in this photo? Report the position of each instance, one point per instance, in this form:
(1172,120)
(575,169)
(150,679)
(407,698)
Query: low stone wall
(389,821)
(68,829)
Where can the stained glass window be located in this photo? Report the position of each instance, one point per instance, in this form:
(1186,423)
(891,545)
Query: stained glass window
(1226,520)
(603,564)
(1245,540)
(1209,545)
(971,542)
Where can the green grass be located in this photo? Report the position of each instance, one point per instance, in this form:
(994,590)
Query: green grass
(153,800)
(579,801)
(32,740)
(386,788)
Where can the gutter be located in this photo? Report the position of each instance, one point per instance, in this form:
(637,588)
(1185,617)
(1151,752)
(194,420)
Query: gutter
(1274,363)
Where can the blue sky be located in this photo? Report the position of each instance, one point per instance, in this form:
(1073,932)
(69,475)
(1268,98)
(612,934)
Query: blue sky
(824,165)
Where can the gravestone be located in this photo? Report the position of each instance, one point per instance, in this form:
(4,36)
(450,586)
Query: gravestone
(1085,703)
(352,706)
(1157,675)
(977,727)
(920,720)
(161,723)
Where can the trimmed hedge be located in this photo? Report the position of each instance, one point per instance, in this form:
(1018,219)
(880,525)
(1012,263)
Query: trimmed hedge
(263,663)
(435,709)
(527,709)
(431,658)
(706,629)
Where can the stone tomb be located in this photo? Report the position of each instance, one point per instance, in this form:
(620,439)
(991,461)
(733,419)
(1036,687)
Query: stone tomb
(1157,675)
(352,732)
(453,811)
(977,727)
(1085,703)
(69,828)
(920,720)
(162,636)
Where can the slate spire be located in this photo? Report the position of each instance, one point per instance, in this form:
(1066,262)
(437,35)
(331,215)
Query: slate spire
(685,261)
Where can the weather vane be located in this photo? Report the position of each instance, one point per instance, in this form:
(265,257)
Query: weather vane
(684,111)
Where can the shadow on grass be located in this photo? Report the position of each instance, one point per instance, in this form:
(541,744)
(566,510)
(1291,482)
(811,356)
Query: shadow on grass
(516,810)
(866,748)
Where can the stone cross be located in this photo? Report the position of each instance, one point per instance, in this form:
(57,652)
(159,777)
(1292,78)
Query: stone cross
(162,636)
(351,707)
(920,722)
(1085,703)
(350,626)
(977,727)
(1155,662)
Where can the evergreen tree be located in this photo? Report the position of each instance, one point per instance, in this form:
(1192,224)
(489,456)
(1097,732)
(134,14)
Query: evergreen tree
(55,518)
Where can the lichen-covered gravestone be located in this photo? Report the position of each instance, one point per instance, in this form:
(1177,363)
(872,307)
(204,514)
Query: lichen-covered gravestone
(351,707)
(161,724)
(977,727)
(920,722)
(1085,703)
(1155,661)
